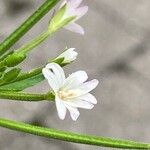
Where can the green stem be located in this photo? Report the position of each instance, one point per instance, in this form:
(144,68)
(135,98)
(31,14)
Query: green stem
(26,96)
(27,25)
(71,137)
(33,43)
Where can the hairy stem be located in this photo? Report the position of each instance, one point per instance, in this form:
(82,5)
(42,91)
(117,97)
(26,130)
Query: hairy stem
(26,96)
(71,137)
(27,25)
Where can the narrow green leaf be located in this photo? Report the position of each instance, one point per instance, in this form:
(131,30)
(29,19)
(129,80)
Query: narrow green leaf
(22,84)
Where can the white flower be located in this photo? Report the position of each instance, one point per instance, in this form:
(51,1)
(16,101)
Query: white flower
(70,93)
(73,9)
(69,55)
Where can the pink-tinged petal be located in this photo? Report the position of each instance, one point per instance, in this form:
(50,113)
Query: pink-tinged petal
(75,28)
(81,11)
(57,71)
(74,3)
(79,104)
(61,108)
(75,79)
(74,112)
(89,98)
(52,80)
(86,87)
(69,12)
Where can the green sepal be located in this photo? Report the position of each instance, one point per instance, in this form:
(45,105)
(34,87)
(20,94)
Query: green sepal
(50,96)
(14,59)
(65,22)
(58,60)
(10,75)
(57,22)
(64,64)
(57,17)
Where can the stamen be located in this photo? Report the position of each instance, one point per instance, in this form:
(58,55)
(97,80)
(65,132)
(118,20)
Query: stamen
(65,95)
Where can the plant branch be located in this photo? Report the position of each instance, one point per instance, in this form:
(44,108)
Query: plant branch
(71,137)
(19,96)
(33,43)
(26,80)
(27,25)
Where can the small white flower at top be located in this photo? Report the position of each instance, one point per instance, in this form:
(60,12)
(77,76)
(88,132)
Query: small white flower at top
(70,93)
(73,9)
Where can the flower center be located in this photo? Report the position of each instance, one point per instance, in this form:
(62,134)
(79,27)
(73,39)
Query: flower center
(65,95)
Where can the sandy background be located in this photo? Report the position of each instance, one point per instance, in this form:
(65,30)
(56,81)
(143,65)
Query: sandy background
(115,50)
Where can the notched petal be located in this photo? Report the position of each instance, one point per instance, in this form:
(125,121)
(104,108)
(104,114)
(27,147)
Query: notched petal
(58,72)
(51,78)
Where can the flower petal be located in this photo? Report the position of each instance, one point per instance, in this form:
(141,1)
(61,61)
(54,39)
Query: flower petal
(81,11)
(70,12)
(75,79)
(74,112)
(86,87)
(58,72)
(61,108)
(74,3)
(75,28)
(89,98)
(51,79)
(79,104)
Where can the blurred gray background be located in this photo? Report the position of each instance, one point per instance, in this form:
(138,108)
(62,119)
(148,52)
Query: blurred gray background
(115,50)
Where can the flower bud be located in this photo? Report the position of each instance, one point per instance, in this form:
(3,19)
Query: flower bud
(67,56)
